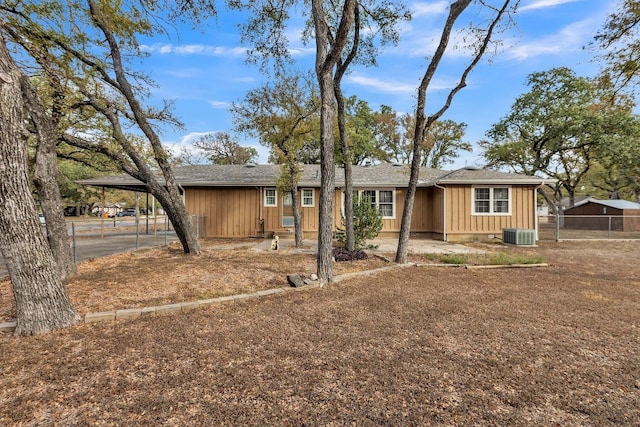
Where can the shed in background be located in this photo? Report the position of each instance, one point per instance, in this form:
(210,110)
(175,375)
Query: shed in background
(595,214)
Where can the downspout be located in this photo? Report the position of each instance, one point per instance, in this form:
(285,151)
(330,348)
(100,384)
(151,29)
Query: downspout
(260,218)
(535,210)
(444,211)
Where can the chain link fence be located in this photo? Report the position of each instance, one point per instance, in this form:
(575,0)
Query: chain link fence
(92,238)
(585,227)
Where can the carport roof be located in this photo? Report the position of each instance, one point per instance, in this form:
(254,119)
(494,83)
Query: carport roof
(384,175)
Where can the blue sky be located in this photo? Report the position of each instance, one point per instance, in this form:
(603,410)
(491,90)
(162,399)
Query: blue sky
(203,71)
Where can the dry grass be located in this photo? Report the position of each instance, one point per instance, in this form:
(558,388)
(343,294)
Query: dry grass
(165,275)
(418,346)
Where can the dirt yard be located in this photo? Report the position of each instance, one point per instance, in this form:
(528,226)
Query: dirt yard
(557,345)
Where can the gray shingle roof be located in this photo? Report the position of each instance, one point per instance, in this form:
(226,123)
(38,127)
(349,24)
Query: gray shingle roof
(379,176)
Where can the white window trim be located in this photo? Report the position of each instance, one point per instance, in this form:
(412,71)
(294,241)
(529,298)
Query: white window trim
(313,198)
(491,212)
(275,203)
(393,199)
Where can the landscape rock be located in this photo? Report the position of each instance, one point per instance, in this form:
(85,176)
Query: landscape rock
(295,280)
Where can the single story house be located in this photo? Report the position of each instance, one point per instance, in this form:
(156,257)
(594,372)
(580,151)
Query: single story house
(594,214)
(467,204)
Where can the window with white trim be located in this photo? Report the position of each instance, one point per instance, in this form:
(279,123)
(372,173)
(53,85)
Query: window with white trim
(270,197)
(308,200)
(491,200)
(384,200)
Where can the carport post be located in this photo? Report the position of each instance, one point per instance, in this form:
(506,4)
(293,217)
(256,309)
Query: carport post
(104,204)
(73,241)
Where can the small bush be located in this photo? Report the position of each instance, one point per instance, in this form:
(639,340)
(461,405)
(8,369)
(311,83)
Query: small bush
(367,223)
(342,254)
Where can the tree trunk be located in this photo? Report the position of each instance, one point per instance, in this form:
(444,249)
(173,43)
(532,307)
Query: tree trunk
(327,180)
(407,212)
(423,124)
(168,194)
(178,215)
(297,216)
(350,242)
(44,179)
(326,59)
(41,301)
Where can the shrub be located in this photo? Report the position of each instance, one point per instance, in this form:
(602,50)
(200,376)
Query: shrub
(367,222)
(342,254)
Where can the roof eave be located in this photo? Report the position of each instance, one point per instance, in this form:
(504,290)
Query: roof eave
(491,182)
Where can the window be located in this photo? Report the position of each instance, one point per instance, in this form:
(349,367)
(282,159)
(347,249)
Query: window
(385,203)
(383,200)
(492,200)
(270,197)
(307,198)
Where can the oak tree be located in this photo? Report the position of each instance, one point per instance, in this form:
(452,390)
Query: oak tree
(284,116)
(41,301)
(481,36)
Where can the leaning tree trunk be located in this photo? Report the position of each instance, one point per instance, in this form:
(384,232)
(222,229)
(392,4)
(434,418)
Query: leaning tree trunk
(177,214)
(44,179)
(41,301)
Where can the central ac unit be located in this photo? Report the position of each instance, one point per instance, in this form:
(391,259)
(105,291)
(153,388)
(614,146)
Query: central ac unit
(519,236)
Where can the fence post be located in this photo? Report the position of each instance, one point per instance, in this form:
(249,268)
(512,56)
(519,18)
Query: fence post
(557,227)
(166,229)
(609,229)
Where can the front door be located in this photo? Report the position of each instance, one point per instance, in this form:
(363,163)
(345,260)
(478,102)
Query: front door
(287,210)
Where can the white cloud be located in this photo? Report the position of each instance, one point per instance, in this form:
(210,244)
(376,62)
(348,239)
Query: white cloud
(175,147)
(395,87)
(194,49)
(568,40)
(430,8)
(302,51)
(223,105)
(541,4)
(386,86)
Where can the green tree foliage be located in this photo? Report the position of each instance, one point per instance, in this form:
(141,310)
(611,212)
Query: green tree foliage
(219,149)
(367,222)
(557,129)
(619,40)
(442,144)
(93,88)
(616,160)
(361,128)
(284,116)
(334,27)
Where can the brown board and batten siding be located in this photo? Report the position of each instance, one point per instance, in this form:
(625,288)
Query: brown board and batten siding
(229,199)
(226,212)
(463,225)
(427,219)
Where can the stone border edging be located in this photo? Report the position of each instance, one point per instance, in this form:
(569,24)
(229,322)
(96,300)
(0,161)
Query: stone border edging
(134,313)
